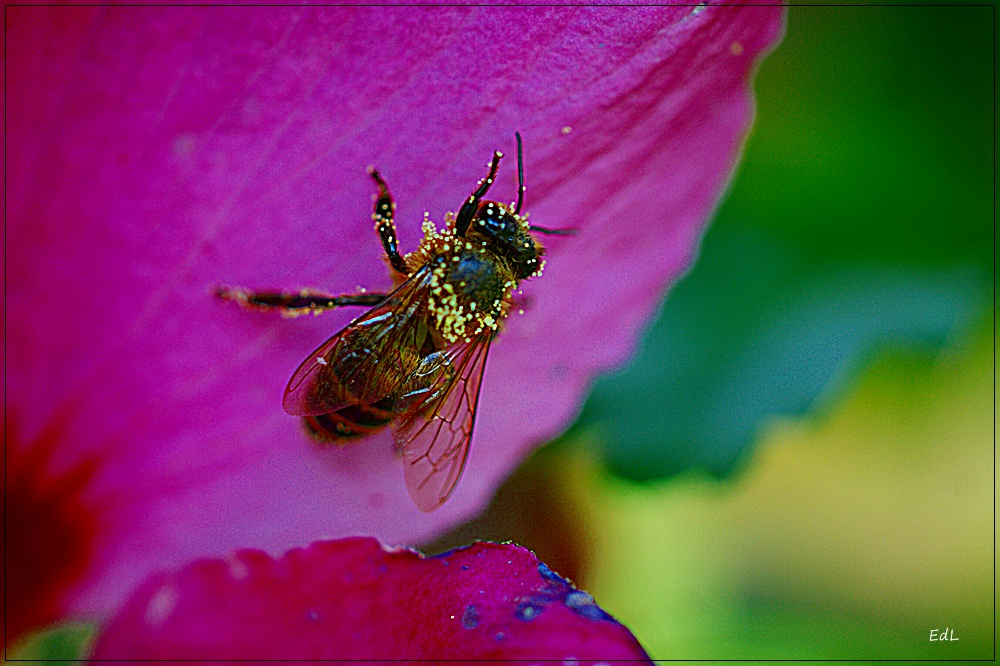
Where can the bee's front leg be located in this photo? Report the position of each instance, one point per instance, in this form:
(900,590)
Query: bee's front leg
(294,304)
(468,209)
(385,208)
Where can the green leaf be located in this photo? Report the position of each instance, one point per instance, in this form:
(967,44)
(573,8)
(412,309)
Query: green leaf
(60,644)
(757,330)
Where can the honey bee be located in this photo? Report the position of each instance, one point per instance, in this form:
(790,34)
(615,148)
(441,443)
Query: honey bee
(415,360)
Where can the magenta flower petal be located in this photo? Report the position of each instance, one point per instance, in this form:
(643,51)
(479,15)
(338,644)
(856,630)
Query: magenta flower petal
(154,153)
(352,599)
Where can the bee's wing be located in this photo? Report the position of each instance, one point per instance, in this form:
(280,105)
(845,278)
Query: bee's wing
(436,413)
(367,360)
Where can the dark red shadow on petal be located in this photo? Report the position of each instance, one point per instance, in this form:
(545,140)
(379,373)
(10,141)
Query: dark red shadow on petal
(353,599)
(48,530)
(531,509)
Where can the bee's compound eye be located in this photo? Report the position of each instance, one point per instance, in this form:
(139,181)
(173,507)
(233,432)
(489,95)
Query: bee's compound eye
(492,219)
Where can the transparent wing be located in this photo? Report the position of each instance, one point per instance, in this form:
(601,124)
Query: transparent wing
(366,361)
(436,413)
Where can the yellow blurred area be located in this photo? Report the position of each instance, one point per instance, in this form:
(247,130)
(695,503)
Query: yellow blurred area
(851,534)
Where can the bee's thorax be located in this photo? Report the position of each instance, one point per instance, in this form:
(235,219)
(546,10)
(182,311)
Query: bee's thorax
(471,278)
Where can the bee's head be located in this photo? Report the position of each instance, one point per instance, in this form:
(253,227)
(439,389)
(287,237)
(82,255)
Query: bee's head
(504,231)
(505,234)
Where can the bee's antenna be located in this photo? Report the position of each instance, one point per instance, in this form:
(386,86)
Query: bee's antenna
(520,174)
(554,232)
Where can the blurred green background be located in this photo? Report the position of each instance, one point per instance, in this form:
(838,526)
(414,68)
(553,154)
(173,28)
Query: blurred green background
(798,463)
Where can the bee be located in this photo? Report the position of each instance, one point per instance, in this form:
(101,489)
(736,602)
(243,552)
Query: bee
(415,360)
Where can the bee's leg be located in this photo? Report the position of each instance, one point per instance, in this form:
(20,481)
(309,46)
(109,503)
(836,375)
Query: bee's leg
(302,302)
(350,423)
(386,228)
(468,209)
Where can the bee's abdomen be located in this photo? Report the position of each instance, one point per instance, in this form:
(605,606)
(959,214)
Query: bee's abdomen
(349,423)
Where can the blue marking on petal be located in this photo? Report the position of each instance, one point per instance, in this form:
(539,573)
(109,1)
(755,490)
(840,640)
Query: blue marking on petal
(583,604)
(550,575)
(528,610)
(470,618)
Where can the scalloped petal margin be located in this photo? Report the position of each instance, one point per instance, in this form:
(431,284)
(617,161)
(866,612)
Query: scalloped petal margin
(353,599)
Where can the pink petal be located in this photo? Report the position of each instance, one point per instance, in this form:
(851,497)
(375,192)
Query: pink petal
(155,153)
(352,599)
